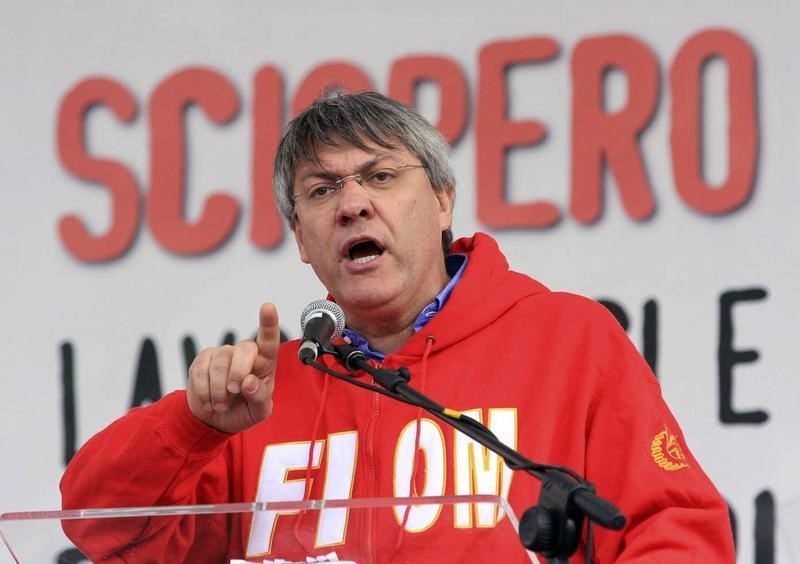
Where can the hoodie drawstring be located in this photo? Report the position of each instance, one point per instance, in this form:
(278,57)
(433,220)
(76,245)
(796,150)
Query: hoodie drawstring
(429,341)
(315,429)
(310,462)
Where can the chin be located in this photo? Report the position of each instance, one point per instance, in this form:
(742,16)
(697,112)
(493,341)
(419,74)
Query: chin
(356,299)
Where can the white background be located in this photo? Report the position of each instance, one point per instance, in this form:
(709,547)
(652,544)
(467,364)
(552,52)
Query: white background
(682,259)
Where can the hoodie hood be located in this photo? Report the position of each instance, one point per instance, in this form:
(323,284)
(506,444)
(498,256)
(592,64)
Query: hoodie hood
(487,290)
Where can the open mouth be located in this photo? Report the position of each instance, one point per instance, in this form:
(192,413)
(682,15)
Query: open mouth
(365,251)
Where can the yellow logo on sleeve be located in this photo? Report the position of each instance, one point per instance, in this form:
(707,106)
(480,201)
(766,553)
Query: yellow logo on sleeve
(667,452)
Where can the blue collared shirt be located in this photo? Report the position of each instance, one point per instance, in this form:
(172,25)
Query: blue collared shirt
(454,265)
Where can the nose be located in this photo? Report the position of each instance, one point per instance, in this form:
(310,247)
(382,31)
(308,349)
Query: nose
(353,201)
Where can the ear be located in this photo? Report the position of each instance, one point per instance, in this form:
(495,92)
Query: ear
(445,198)
(298,238)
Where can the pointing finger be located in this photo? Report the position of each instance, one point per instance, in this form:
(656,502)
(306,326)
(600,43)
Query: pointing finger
(268,340)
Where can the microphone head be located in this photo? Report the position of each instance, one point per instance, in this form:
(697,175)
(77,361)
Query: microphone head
(323,307)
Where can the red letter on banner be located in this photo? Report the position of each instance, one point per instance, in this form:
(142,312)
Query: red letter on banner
(687,158)
(408,72)
(166,197)
(344,76)
(116,177)
(496,135)
(266,229)
(600,138)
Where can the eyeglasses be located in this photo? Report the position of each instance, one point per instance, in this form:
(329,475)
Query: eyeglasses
(378,180)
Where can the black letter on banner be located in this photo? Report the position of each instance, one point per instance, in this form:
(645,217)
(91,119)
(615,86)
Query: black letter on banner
(68,400)
(71,556)
(617,311)
(649,328)
(765,528)
(147,387)
(732,516)
(650,334)
(728,357)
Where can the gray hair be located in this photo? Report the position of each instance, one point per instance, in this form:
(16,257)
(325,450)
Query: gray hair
(338,119)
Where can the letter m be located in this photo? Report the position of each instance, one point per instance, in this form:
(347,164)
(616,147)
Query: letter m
(478,471)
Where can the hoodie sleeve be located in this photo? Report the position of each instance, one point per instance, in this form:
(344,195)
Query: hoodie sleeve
(637,457)
(156,455)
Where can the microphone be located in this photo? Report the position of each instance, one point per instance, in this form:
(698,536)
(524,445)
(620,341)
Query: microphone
(320,322)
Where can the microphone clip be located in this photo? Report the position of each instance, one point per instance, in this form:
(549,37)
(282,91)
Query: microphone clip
(352,358)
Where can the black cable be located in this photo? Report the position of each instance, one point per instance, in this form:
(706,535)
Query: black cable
(589,542)
(563,490)
(355,361)
(350,379)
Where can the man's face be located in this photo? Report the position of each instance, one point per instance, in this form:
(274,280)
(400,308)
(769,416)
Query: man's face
(379,254)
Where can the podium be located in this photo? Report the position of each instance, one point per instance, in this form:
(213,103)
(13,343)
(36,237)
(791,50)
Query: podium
(417,529)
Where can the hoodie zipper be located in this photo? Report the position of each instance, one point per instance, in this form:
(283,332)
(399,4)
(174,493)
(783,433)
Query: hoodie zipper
(369,542)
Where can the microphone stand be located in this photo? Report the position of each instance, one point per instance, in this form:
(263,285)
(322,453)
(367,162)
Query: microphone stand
(553,526)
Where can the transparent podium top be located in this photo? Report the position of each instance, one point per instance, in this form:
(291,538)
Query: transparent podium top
(480,528)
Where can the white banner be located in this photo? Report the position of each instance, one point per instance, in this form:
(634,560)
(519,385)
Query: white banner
(643,154)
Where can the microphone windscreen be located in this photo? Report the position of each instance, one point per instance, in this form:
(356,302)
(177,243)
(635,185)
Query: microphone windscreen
(323,307)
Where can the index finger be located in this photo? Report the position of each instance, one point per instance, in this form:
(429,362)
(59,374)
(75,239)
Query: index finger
(268,340)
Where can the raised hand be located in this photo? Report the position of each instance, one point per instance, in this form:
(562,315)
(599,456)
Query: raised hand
(230,387)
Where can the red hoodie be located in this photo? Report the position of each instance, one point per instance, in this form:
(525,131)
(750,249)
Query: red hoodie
(552,374)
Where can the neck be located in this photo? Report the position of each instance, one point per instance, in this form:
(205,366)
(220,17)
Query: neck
(384,337)
(387,326)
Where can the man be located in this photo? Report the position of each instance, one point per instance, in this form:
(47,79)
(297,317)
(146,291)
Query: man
(368,191)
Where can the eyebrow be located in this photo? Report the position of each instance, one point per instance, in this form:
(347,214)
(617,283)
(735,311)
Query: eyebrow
(325,174)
